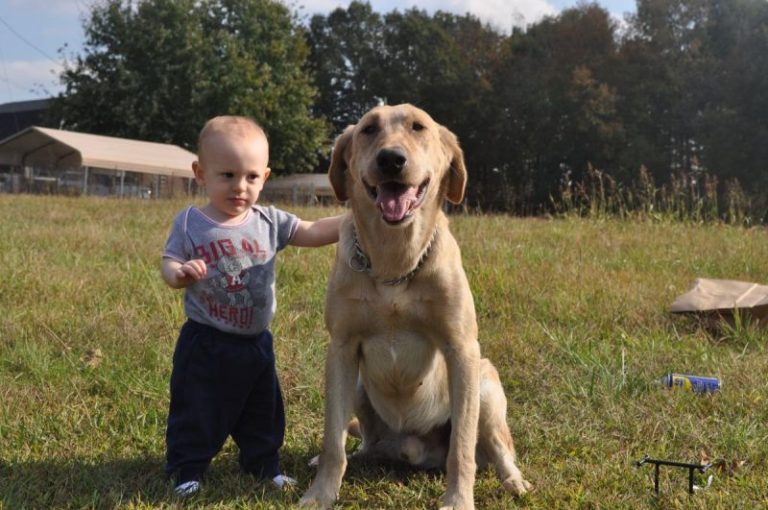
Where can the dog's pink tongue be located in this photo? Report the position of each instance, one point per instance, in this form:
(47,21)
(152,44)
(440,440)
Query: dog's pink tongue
(395,200)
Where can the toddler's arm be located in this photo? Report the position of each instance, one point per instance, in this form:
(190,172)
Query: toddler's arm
(317,233)
(178,275)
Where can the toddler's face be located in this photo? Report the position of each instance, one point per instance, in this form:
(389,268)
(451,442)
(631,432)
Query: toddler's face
(233,169)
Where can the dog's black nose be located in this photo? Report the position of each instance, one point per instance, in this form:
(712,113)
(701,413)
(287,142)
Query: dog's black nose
(391,161)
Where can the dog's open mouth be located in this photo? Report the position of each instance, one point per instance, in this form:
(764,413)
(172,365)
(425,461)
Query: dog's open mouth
(397,201)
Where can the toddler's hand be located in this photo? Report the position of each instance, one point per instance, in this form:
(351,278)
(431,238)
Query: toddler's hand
(191,271)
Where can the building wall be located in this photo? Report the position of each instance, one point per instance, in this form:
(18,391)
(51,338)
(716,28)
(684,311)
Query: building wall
(19,115)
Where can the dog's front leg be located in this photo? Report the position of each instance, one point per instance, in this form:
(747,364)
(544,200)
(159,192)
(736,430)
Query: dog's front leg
(341,371)
(463,360)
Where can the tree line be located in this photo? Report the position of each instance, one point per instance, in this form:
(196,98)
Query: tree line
(674,91)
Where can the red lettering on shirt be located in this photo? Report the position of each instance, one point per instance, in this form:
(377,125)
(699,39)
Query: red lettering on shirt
(215,250)
(227,247)
(203,254)
(258,251)
(239,317)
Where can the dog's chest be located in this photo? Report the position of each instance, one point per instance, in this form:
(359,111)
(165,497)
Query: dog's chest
(399,305)
(405,378)
(396,342)
(384,307)
(397,362)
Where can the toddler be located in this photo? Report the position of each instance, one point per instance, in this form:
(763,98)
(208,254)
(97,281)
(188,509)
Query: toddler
(224,380)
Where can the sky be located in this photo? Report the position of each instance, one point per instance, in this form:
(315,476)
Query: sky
(34,33)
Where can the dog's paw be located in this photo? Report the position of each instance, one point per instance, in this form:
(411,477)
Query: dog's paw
(458,507)
(457,503)
(318,496)
(316,502)
(517,486)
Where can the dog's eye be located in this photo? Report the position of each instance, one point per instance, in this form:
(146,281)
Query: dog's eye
(418,126)
(369,129)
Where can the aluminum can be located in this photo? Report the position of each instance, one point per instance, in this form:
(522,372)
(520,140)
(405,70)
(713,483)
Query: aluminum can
(694,383)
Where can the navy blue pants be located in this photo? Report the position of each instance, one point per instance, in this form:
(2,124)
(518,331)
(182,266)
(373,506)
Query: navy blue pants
(223,384)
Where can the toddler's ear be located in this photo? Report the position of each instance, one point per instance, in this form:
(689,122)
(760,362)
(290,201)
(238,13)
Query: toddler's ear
(198,171)
(267,171)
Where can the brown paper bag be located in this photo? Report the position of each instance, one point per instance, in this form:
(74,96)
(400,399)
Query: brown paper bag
(724,298)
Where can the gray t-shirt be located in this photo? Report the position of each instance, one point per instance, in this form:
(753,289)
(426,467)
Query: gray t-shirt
(238,293)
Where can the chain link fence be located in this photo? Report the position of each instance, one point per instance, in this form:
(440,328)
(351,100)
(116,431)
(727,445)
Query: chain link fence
(92,181)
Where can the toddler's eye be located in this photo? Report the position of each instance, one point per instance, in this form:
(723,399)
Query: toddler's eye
(228,175)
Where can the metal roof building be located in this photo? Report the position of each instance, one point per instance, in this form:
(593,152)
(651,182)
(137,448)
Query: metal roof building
(45,160)
(299,189)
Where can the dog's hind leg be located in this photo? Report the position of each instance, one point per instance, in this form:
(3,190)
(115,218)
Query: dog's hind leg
(369,427)
(494,439)
(377,441)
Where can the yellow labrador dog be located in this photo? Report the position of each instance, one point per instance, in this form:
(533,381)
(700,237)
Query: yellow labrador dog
(404,355)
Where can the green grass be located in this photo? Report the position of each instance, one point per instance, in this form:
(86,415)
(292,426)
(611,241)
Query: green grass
(572,312)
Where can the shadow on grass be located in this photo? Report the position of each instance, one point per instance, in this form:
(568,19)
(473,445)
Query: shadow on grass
(381,470)
(81,483)
(112,482)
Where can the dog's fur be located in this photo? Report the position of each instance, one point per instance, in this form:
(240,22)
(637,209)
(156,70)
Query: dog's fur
(404,355)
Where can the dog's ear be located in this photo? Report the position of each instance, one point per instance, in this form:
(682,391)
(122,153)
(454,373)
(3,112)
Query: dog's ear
(337,172)
(457,172)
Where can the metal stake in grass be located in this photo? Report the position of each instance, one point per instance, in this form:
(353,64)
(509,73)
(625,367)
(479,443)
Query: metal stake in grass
(691,468)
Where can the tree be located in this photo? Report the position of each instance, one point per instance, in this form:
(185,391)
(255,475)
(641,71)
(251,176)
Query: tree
(556,109)
(664,84)
(346,55)
(679,90)
(158,69)
(733,124)
(440,63)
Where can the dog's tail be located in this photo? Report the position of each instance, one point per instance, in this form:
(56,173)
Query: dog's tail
(353,428)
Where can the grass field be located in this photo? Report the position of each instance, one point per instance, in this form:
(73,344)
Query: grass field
(572,312)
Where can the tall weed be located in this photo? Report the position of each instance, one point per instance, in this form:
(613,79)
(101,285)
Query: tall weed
(694,196)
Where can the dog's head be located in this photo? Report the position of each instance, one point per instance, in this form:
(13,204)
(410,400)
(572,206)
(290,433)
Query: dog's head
(395,160)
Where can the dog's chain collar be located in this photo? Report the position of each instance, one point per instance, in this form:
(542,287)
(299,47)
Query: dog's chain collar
(360,262)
